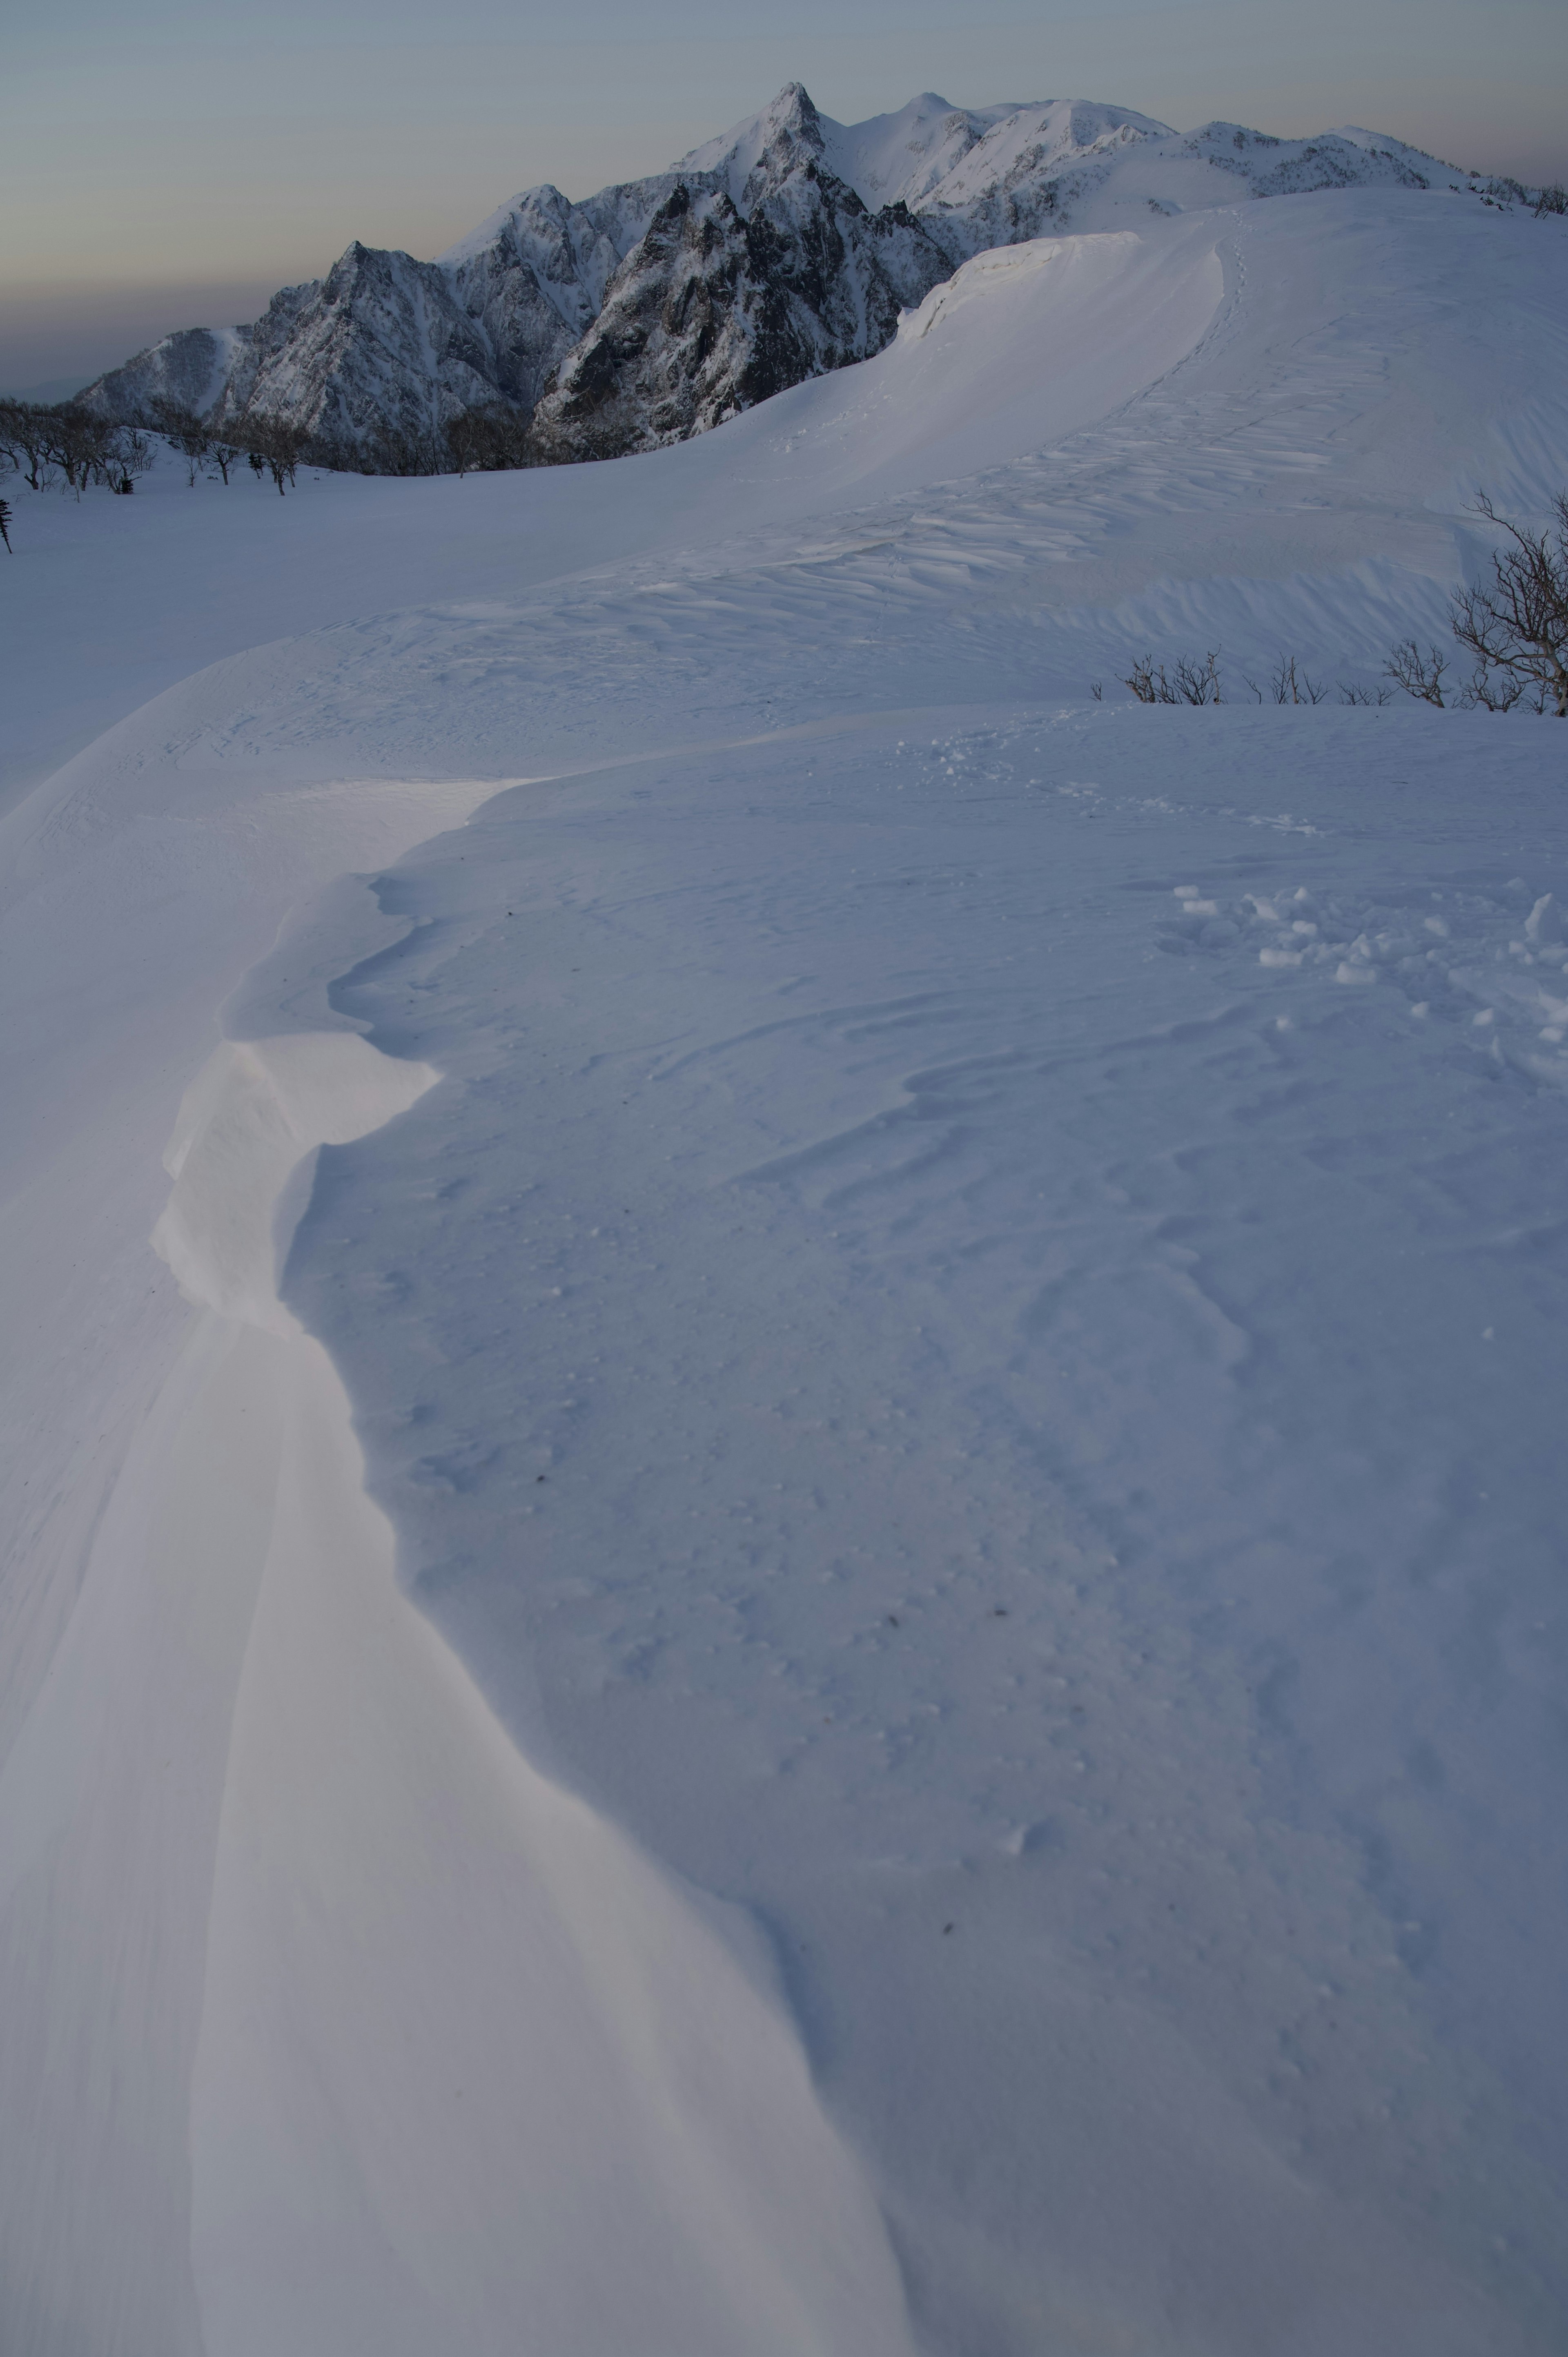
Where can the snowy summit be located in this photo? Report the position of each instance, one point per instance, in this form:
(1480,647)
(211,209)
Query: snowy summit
(786,247)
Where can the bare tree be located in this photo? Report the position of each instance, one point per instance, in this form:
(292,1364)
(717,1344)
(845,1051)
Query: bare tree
(282,451)
(82,446)
(1516,625)
(1498,692)
(5,526)
(1356,695)
(109,454)
(396,451)
(487,440)
(127,454)
(1419,675)
(186,431)
(278,445)
(28,438)
(464,442)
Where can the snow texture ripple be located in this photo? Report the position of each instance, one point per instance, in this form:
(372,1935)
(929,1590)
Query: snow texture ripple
(857,1641)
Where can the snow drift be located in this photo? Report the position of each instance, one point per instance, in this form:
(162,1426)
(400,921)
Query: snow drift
(385,1859)
(855,1644)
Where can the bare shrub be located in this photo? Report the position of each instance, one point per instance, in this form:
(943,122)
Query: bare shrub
(1419,675)
(1516,625)
(1189,682)
(1290,684)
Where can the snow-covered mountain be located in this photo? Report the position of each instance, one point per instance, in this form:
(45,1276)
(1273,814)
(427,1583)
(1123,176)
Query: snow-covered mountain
(786,247)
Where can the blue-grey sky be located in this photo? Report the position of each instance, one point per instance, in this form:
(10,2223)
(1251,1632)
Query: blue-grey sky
(165,163)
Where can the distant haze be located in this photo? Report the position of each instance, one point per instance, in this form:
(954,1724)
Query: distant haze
(53,340)
(164,167)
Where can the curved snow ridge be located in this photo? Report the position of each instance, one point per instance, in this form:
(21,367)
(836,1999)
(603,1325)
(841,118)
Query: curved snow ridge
(1023,347)
(466,2056)
(1002,268)
(242,1157)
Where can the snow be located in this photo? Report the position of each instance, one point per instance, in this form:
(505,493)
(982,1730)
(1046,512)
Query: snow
(900,158)
(974,152)
(829,1613)
(391,1879)
(651,311)
(993,174)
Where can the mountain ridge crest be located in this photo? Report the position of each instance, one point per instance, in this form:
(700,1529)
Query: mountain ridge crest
(787,245)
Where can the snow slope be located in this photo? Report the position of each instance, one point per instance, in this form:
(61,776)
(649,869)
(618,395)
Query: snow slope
(950,1298)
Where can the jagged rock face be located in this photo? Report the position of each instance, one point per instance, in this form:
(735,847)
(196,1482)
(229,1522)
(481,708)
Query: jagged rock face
(526,298)
(716,309)
(835,279)
(534,277)
(658,363)
(380,345)
(663,306)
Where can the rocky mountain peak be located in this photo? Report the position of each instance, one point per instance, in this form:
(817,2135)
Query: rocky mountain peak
(787,246)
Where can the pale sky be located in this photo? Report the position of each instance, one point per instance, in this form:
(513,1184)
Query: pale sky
(169,162)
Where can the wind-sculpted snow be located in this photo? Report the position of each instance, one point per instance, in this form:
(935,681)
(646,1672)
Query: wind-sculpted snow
(254,1115)
(735,2166)
(659,307)
(995,1445)
(863,1650)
